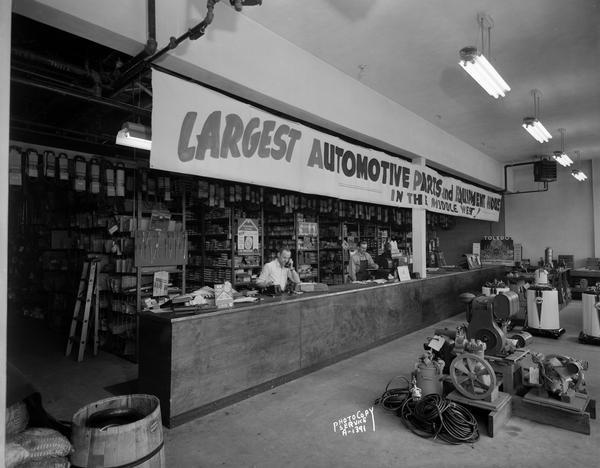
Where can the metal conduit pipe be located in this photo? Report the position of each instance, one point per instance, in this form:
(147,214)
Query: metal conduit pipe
(61,66)
(50,62)
(506,192)
(193,33)
(89,98)
(137,63)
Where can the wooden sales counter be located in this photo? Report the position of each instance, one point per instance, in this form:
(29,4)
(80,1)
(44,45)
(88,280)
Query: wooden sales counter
(196,364)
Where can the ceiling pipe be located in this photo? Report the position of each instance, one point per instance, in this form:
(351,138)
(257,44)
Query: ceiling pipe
(89,98)
(50,62)
(49,79)
(134,66)
(506,192)
(140,64)
(61,66)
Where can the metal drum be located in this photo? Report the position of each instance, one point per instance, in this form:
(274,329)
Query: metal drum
(542,308)
(591,313)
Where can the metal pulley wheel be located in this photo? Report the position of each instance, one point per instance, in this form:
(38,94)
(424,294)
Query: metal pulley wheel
(472,376)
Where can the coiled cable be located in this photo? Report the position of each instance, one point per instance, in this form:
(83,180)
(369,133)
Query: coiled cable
(393,398)
(433,416)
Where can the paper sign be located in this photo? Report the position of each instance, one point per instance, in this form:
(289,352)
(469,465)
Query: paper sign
(247,236)
(201,132)
(403,273)
(223,295)
(308,229)
(534,375)
(160,284)
(436,343)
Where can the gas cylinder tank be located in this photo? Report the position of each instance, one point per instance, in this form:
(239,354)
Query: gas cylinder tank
(428,374)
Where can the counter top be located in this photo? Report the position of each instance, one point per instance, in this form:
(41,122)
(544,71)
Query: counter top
(269,301)
(584,272)
(198,363)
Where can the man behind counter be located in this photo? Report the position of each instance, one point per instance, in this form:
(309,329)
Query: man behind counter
(387,263)
(360,263)
(278,271)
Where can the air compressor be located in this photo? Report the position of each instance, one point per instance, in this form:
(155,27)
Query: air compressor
(591,316)
(542,311)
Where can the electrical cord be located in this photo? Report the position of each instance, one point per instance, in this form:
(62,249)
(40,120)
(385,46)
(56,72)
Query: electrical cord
(433,416)
(393,398)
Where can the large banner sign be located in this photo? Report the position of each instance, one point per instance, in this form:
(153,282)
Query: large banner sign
(198,131)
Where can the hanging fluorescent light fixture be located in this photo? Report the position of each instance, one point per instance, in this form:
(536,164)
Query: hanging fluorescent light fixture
(135,135)
(482,71)
(532,124)
(578,173)
(479,67)
(536,129)
(561,157)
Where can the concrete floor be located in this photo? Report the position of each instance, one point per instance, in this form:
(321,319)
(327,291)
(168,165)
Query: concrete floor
(292,425)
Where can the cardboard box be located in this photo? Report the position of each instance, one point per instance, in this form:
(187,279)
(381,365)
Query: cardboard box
(312,287)
(223,295)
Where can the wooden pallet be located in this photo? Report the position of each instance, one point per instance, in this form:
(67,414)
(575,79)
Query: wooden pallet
(574,416)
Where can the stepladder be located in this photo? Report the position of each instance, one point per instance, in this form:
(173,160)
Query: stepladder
(85,311)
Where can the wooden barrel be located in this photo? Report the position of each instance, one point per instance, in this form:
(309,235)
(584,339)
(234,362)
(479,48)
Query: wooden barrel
(118,442)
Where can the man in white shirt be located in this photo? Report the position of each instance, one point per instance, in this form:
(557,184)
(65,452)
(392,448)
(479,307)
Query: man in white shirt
(278,271)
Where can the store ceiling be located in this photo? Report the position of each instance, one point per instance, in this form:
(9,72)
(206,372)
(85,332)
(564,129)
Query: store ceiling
(65,91)
(408,51)
(405,50)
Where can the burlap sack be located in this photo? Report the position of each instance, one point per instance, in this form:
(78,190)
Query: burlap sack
(41,442)
(17,418)
(50,462)
(14,454)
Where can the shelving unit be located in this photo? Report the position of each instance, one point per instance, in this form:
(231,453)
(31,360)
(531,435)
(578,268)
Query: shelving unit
(307,247)
(370,232)
(194,273)
(401,230)
(218,246)
(331,264)
(280,231)
(351,238)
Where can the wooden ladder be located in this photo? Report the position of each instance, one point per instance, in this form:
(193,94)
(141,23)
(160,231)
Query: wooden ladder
(88,292)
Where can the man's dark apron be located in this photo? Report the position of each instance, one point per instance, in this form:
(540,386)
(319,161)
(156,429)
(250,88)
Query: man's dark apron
(363,273)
